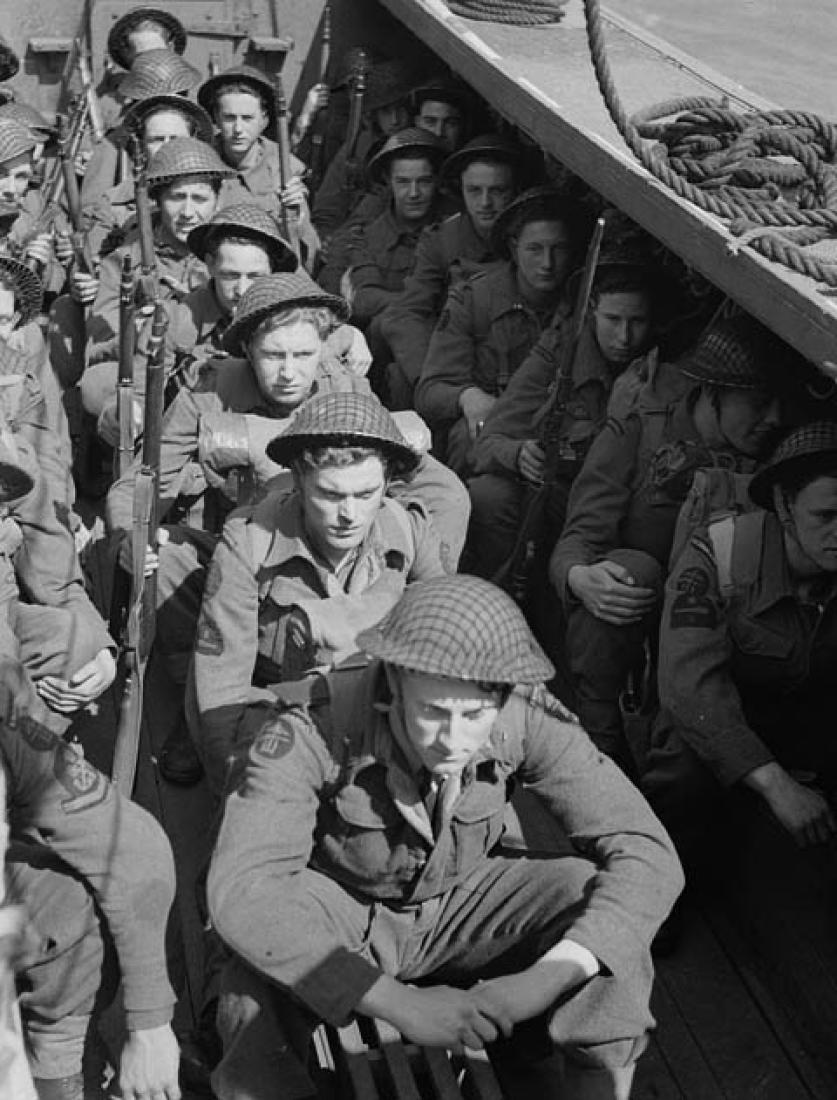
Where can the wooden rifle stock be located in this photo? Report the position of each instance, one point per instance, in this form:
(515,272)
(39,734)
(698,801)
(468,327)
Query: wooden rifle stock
(125,384)
(357,82)
(143,606)
(148,290)
(283,142)
(318,133)
(513,574)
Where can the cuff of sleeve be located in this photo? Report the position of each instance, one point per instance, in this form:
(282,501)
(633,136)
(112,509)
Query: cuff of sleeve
(750,753)
(611,941)
(141,1019)
(333,988)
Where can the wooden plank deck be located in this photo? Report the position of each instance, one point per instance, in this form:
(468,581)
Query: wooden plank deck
(542,80)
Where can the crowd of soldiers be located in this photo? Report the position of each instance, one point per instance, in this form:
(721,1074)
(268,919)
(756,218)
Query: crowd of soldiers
(422,471)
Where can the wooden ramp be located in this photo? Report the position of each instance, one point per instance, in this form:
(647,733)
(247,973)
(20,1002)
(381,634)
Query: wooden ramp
(542,80)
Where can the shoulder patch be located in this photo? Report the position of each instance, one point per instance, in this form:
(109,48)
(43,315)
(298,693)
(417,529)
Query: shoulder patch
(214,580)
(209,641)
(275,740)
(86,786)
(693,606)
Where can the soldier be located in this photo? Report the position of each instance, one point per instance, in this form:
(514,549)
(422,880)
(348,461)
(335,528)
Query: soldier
(508,453)
(242,103)
(27,227)
(485,171)
(95,873)
(381,254)
(356,870)
(491,322)
(184,178)
(337,550)
(384,114)
(143,29)
(442,107)
(747,643)
(610,563)
(151,122)
(214,437)
(155,72)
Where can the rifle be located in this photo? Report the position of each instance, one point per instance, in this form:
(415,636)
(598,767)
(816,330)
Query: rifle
(513,574)
(318,134)
(147,290)
(143,605)
(283,141)
(89,95)
(357,84)
(125,385)
(81,250)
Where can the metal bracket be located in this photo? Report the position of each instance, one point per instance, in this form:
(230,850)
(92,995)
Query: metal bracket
(50,45)
(265,44)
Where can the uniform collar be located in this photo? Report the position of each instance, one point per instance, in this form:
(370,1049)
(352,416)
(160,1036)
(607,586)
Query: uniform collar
(775,581)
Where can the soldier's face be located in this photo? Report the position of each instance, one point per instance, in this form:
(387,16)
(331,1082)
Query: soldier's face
(446,721)
(15,177)
(622,325)
(413,186)
(543,255)
(233,268)
(161,127)
(748,420)
(285,362)
(487,189)
(392,118)
(185,204)
(814,514)
(442,119)
(339,505)
(242,120)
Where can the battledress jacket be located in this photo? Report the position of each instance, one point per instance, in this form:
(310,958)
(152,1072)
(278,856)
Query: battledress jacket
(484,335)
(263,567)
(326,791)
(632,485)
(757,643)
(60,804)
(445,255)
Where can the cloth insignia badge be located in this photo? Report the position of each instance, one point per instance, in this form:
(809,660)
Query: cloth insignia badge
(209,642)
(275,740)
(85,785)
(693,607)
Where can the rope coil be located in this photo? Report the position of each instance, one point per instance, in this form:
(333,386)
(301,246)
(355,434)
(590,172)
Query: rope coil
(519,13)
(724,162)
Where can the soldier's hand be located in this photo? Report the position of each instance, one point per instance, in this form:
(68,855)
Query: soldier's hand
(441,1016)
(530,459)
(294,195)
(81,161)
(609,592)
(148,1069)
(63,248)
(475,405)
(348,344)
(83,287)
(803,811)
(40,248)
(85,685)
(152,558)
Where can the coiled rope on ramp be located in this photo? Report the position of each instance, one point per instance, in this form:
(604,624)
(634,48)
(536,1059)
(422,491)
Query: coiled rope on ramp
(519,13)
(724,162)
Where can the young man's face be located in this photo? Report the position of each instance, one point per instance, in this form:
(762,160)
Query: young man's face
(163,126)
(185,204)
(413,185)
(285,362)
(442,119)
(392,118)
(814,514)
(487,189)
(340,503)
(748,419)
(446,721)
(241,120)
(8,310)
(15,177)
(233,269)
(622,325)
(542,253)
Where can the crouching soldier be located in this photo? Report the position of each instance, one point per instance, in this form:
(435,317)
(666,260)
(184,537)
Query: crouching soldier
(96,877)
(747,649)
(297,577)
(356,870)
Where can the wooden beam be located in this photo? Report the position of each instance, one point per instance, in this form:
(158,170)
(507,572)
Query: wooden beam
(552,103)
